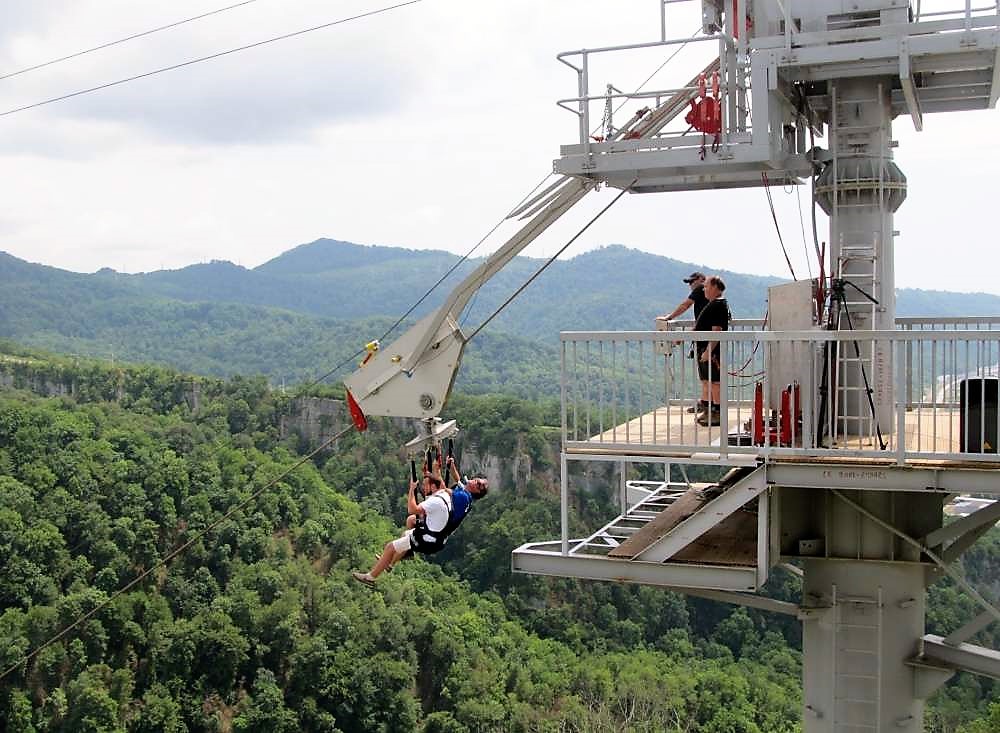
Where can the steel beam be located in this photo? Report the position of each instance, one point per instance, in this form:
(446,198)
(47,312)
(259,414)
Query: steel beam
(954,530)
(965,657)
(530,559)
(885,478)
(909,89)
(995,86)
(749,600)
(970,629)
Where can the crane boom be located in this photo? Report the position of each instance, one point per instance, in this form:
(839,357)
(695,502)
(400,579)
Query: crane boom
(412,377)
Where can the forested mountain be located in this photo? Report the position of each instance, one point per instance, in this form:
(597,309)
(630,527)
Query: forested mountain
(293,318)
(257,625)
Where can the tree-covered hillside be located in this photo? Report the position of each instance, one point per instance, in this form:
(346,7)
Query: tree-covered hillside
(258,627)
(295,317)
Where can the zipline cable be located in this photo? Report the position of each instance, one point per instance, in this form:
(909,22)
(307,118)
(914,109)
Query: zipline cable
(191,62)
(548,262)
(123,40)
(146,573)
(430,290)
(594,131)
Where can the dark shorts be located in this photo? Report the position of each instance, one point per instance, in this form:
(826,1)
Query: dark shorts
(703,370)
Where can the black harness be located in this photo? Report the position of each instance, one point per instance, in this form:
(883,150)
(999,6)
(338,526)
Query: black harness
(427,541)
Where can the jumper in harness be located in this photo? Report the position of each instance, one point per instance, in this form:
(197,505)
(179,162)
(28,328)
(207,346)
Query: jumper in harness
(427,541)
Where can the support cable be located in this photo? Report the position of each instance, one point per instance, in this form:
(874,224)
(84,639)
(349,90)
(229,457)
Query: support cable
(596,129)
(123,40)
(838,288)
(777,228)
(430,290)
(802,226)
(180,550)
(953,574)
(548,262)
(191,62)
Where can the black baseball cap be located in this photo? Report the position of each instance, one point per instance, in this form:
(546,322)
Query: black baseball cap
(694,276)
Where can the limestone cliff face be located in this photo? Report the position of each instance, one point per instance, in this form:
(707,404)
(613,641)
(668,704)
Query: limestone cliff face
(314,419)
(37,384)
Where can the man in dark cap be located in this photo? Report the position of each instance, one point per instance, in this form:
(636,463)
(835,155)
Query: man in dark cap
(696,298)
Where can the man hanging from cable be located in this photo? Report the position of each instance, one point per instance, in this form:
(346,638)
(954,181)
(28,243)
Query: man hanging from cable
(431,521)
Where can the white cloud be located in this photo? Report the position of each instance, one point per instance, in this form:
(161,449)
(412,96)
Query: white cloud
(417,128)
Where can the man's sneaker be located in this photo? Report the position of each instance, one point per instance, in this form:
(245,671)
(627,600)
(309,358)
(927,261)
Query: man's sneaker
(365,578)
(699,408)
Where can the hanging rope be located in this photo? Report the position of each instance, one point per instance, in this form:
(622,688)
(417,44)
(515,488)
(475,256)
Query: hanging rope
(175,553)
(777,228)
(802,226)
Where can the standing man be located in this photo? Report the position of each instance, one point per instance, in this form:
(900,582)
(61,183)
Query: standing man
(715,317)
(696,298)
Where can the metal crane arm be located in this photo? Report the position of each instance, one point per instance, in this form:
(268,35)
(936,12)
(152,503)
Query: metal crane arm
(413,376)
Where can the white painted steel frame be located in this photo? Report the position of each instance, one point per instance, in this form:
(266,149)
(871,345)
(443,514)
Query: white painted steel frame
(963,353)
(967,657)
(544,558)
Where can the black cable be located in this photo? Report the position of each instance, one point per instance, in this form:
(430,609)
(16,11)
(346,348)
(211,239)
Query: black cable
(802,226)
(812,146)
(462,259)
(855,286)
(777,228)
(146,573)
(333,371)
(838,288)
(423,297)
(548,262)
(211,56)
(123,40)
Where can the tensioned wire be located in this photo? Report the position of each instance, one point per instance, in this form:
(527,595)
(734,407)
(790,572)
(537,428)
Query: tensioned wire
(220,54)
(132,37)
(173,554)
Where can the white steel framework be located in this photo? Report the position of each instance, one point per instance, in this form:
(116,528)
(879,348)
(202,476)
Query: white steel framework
(896,417)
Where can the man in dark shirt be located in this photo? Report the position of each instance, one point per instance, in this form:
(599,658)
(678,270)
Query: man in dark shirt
(696,298)
(714,317)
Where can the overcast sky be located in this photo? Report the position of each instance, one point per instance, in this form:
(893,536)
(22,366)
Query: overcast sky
(417,128)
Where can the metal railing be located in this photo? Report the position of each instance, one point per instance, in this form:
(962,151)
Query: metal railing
(931,393)
(947,15)
(584,98)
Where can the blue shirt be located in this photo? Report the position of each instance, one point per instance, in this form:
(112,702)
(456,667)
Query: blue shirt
(461,500)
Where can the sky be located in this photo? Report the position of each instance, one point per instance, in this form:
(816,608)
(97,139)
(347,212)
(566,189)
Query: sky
(416,128)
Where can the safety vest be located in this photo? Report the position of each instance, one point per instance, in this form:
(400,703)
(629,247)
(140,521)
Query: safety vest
(427,541)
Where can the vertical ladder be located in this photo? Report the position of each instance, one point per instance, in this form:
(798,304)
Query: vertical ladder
(857,263)
(857,660)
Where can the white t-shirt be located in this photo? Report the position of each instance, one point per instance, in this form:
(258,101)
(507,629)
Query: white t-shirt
(437,507)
